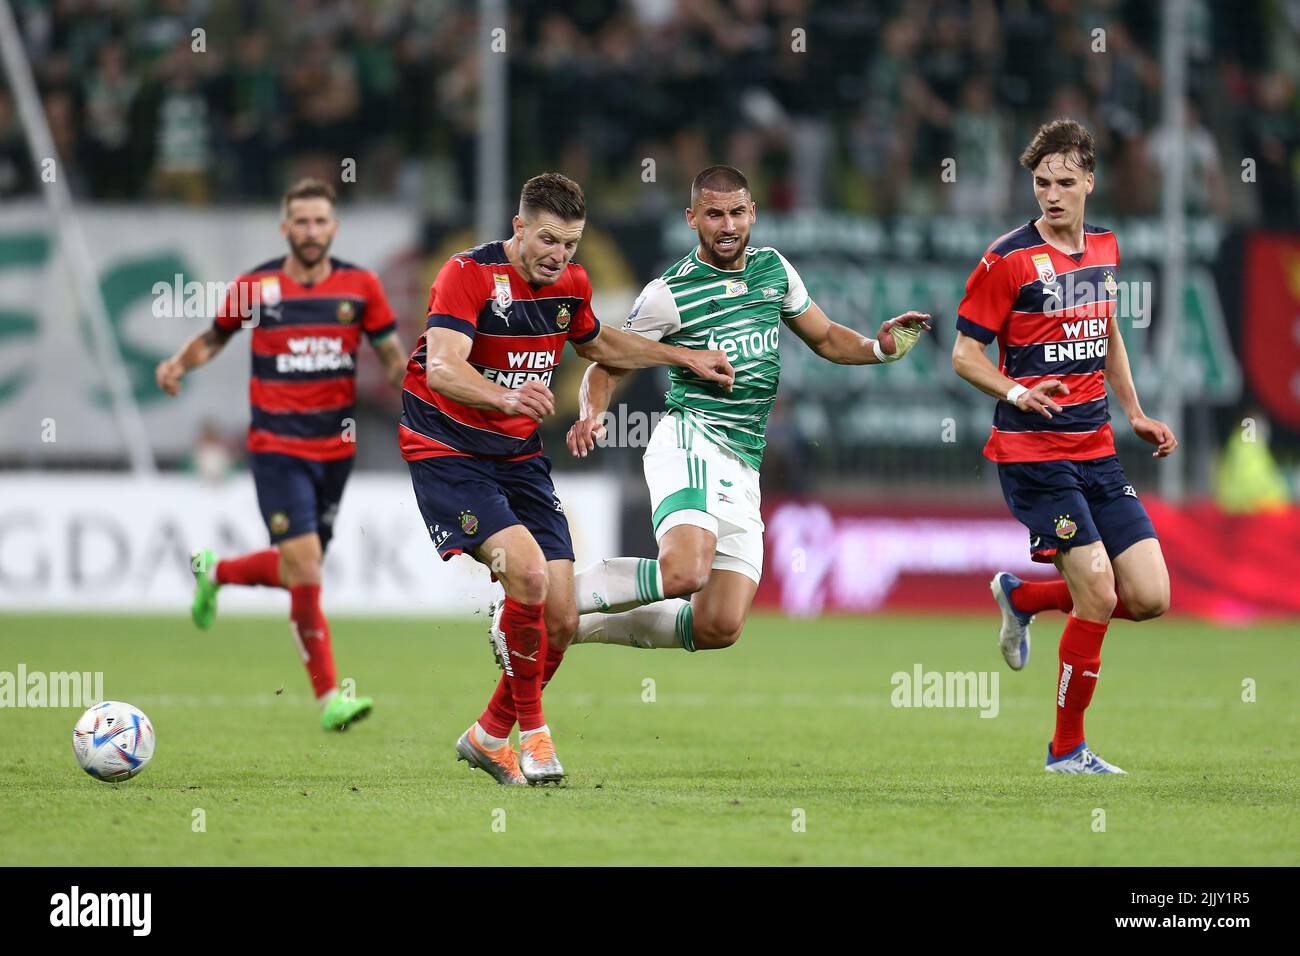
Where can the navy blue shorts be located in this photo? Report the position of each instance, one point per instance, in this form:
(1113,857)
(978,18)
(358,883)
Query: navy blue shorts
(465,501)
(1069,503)
(297,495)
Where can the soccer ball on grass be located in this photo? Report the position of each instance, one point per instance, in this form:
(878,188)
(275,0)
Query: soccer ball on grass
(113,741)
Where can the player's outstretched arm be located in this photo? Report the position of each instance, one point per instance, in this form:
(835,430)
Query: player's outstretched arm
(615,348)
(393,357)
(972,364)
(448,373)
(594,396)
(1119,376)
(843,346)
(200,350)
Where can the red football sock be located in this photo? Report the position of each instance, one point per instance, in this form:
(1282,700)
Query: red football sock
(525,634)
(1080,665)
(1034,596)
(499,718)
(554,657)
(312,632)
(260,567)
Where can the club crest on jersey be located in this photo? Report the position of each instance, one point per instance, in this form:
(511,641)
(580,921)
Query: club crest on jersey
(769,293)
(270,291)
(468,523)
(562,318)
(279,523)
(1065,528)
(502,299)
(736,287)
(346,311)
(1108,278)
(1043,263)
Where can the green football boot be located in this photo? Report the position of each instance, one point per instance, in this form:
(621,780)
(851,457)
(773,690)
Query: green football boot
(204,609)
(341,712)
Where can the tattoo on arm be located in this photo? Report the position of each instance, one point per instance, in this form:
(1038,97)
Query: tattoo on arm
(215,338)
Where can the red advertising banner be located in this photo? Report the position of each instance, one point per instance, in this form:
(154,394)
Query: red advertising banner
(1271,347)
(862,557)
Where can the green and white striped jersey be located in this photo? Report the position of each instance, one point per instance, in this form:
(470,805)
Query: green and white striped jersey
(698,306)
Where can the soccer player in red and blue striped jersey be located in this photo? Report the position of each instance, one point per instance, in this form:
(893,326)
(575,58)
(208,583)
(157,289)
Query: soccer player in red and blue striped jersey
(308,312)
(1047,293)
(476,388)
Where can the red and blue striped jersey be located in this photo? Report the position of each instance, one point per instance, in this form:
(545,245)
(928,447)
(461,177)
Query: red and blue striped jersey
(304,345)
(518,331)
(1051,313)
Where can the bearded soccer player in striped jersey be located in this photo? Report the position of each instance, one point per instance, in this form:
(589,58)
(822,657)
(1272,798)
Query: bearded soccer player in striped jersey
(476,388)
(1047,293)
(703,458)
(310,312)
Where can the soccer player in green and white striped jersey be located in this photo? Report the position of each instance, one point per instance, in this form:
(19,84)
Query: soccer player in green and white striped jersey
(703,459)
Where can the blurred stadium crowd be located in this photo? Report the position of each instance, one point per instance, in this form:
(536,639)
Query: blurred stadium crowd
(857,113)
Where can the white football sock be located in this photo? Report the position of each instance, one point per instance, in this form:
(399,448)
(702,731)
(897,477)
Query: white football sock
(486,740)
(662,624)
(618,584)
(525,734)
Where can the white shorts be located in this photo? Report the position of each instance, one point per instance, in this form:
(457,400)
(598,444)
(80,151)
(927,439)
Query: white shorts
(694,481)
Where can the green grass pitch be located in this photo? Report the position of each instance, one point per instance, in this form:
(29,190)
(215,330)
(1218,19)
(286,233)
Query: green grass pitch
(796,717)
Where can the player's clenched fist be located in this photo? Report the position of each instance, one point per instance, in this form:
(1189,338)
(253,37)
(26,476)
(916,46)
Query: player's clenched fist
(582,437)
(168,375)
(1157,433)
(712,366)
(531,398)
(1039,398)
